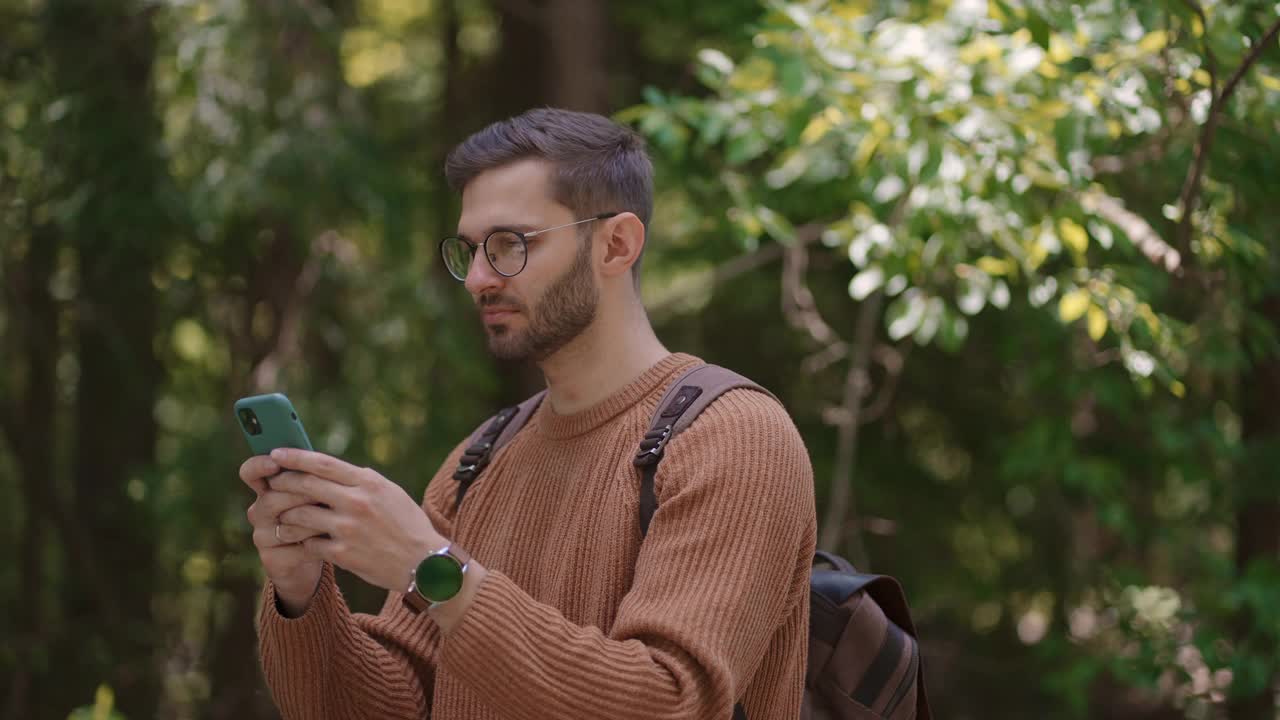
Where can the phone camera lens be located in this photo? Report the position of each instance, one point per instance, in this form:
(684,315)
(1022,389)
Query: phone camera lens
(250,420)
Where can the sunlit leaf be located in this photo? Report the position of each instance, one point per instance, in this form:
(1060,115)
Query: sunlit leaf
(1073,305)
(905,313)
(995,266)
(866,282)
(1097,322)
(1154,41)
(1073,235)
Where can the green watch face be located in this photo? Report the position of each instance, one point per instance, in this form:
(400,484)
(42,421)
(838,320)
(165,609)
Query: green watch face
(439,577)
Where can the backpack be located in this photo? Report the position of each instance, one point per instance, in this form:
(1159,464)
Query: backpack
(864,657)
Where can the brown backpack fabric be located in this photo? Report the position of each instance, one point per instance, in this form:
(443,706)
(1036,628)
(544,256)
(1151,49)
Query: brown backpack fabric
(864,657)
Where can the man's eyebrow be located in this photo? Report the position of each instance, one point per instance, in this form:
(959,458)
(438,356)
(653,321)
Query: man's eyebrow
(510,227)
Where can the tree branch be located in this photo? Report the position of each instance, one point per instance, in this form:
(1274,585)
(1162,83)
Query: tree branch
(824,358)
(893,361)
(841,515)
(1249,61)
(798,305)
(1139,230)
(841,508)
(1191,188)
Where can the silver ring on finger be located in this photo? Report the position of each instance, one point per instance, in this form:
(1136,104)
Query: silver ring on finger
(278,538)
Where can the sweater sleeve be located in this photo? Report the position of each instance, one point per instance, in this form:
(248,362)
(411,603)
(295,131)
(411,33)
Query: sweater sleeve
(331,663)
(724,562)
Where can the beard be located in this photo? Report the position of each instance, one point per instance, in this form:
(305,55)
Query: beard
(566,309)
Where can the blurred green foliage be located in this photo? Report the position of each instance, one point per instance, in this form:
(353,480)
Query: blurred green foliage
(969,244)
(1016,182)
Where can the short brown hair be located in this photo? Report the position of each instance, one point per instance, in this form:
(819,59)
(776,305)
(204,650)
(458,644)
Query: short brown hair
(599,165)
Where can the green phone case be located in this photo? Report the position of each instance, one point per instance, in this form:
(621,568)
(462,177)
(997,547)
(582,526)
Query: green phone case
(269,422)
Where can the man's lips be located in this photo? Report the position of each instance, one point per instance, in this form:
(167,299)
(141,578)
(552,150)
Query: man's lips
(492,315)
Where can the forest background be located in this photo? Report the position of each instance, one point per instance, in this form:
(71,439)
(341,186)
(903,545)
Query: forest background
(1011,265)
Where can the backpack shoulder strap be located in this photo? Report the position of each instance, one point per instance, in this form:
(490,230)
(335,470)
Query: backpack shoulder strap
(488,439)
(683,401)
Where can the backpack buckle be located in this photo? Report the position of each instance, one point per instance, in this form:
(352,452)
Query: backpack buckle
(652,447)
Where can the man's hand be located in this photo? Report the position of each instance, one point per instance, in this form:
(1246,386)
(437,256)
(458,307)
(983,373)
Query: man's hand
(294,572)
(374,528)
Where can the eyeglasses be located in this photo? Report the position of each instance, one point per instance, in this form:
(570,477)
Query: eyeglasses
(506,250)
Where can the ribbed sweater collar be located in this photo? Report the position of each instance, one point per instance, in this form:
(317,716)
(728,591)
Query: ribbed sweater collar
(556,426)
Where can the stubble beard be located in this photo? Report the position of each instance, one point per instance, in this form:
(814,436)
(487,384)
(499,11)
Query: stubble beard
(566,309)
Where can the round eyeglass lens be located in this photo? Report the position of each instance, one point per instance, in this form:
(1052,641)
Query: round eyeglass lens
(506,252)
(457,257)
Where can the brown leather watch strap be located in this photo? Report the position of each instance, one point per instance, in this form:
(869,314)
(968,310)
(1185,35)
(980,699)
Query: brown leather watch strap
(415,602)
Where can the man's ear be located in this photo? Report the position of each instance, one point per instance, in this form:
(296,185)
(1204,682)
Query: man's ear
(623,242)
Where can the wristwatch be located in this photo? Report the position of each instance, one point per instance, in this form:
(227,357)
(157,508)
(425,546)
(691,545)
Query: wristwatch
(438,578)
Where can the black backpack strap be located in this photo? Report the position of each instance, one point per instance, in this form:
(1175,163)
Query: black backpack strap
(683,401)
(488,439)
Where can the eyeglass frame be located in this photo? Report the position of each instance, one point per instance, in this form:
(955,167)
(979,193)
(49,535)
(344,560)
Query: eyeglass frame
(524,240)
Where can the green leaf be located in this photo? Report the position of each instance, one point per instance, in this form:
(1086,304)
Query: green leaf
(745,146)
(792,74)
(1079,64)
(1039,28)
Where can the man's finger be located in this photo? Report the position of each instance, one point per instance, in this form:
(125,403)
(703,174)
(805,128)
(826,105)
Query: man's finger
(268,538)
(318,489)
(255,471)
(310,516)
(318,464)
(322,548)
(286,555)
(293,534)
(265,511)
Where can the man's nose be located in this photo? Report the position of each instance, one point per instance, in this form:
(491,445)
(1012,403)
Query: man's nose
(481,277)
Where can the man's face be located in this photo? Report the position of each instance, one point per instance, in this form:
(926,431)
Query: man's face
(550,302)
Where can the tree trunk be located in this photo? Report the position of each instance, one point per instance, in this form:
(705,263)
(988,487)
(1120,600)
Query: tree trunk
(280,277)
(102,57)
(1258,516)
(518,76)
(29,430)
(577,34)
(233,649)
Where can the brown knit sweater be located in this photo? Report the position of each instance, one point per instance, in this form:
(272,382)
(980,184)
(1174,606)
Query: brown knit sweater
(578,618)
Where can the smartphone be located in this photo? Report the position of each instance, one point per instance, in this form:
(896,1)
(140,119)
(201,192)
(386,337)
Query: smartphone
(269,422)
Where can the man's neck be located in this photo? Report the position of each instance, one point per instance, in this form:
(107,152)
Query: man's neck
(607,356)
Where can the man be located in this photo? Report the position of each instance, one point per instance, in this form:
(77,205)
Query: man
(560,608)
